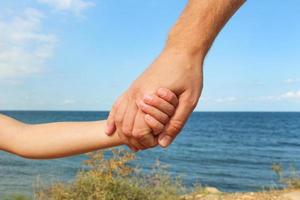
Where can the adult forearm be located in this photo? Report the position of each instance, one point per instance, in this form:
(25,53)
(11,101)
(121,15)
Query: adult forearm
(199,25)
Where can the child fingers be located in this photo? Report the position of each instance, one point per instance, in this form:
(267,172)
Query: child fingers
(168,95)
(160,104)
(128,141)
(155,125)
(136,145)
(148,140)
(154,112)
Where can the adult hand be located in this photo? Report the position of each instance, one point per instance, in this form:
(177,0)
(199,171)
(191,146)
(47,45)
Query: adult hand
(182,74)
(178,68)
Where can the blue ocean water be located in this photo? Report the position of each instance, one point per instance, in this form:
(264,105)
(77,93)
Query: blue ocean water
(232,151)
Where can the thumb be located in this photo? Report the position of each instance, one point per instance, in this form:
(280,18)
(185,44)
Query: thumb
(172,129)
(110,123)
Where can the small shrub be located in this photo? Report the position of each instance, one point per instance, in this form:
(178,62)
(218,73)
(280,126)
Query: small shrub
(114,179)
(291,179)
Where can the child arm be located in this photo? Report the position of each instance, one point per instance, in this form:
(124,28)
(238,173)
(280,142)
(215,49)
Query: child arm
(53,140)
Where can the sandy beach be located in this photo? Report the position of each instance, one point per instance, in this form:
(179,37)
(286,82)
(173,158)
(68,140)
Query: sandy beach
(214,194)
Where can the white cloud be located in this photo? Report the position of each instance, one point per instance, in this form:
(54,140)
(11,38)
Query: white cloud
(218,100)
(291,95)
(226,99)
(24,48)
(291,80)
(269,98)
(76,6)
(68,101)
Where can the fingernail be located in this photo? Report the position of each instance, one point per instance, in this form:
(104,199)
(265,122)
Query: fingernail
(162,92)
(165,141)
(148,98)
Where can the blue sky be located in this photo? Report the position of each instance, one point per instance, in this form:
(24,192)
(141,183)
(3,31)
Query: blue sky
(81,54)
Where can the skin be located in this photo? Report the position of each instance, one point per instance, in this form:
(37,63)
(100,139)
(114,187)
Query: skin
(61,139)
(54,140)
(179,67)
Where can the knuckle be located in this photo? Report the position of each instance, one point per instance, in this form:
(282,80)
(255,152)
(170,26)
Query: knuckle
(135,134)
(139,133)
(155,101)
(148,141)
(155,125)
(175,126)
(152,122)
(118,119)
(146,108)
(191,102)
(172,110)
(170,96)
(159,130)
(165,119)
(126,129)
(165,93)
(134,91)
(175,101)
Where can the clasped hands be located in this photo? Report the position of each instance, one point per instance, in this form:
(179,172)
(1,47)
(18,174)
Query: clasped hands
(156,106)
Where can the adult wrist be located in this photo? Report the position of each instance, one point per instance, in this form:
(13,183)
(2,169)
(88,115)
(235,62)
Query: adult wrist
(191,52)
(188,46)
(192,59)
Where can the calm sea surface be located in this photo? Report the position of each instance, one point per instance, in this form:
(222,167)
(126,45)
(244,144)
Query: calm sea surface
(230,151)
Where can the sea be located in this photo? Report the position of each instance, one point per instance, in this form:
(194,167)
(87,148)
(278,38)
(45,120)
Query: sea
(232,151)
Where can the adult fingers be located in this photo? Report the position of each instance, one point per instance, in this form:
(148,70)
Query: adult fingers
(128,120)
(154,112)
(142,133)
(118,118)
(110,123)
(168,95)
(119,114)
(160,104)
(177,122)
(154,124)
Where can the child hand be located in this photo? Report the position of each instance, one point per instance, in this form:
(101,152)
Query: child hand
(159,108)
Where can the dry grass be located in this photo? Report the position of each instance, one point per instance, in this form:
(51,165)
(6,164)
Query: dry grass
(290,178)
(113,179)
